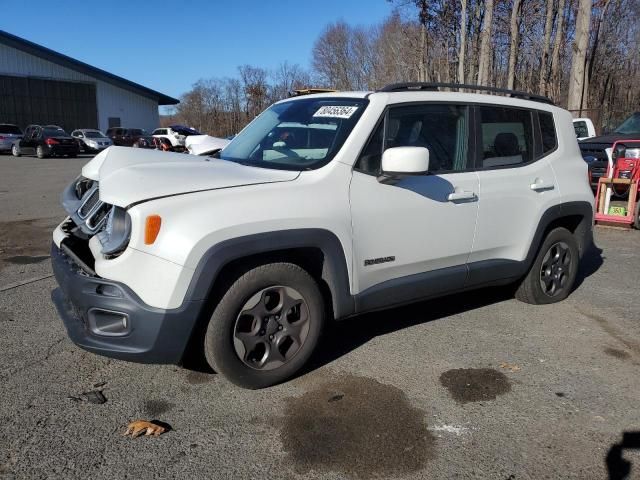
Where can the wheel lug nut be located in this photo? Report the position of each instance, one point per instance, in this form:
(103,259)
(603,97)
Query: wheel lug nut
(270,337)
(279,327)
(261,332)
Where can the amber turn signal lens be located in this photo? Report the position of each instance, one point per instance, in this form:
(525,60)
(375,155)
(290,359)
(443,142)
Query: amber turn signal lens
(152,229)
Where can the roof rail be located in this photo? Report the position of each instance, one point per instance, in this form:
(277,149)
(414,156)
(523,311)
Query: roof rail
(309,91)
(435,86)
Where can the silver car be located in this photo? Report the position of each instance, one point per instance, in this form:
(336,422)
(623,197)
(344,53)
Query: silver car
(9,134)
(90,140)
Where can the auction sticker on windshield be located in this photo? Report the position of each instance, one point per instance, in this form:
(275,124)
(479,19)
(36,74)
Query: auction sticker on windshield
(336,111)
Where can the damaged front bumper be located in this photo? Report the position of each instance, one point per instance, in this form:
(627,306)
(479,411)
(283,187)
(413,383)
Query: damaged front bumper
(108,318)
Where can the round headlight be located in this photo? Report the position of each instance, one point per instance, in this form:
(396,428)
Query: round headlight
(115,237)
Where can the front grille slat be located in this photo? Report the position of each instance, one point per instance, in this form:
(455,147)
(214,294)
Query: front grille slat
(89,204)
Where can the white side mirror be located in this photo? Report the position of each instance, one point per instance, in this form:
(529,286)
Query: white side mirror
(405,161)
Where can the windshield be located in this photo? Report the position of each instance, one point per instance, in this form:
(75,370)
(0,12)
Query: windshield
(93,134)
(296,135)
(137,131)
(10,129)
(54,132)
(630,126)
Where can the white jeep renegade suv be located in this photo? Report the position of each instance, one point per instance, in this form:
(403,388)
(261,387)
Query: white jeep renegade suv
(324,207)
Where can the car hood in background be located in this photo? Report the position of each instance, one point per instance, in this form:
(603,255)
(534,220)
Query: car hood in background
(610,138)
(202,144)
(129,175)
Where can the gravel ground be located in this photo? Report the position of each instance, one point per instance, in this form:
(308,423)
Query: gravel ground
(472,386)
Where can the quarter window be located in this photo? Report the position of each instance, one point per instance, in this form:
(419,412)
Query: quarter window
(548,132)
(507,136)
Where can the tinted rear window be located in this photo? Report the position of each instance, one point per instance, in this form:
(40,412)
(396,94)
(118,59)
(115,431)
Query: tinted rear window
(10,129)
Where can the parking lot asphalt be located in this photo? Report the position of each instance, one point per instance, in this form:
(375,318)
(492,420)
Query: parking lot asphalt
(469,386)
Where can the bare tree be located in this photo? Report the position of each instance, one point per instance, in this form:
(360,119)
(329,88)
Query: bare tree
(485,44)
(463,40)
(575,100)
(514,42)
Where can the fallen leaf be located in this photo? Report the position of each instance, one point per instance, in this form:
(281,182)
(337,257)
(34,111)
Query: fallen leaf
(510,366)
(138,427)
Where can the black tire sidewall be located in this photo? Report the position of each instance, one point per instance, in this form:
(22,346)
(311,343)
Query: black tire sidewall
(555,236)
(219,349)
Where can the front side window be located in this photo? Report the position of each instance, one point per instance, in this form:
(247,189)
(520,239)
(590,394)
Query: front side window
(443,129)
(296,135)
(507,136)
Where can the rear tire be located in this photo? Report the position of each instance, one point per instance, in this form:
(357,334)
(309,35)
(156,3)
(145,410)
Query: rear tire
(40,152)
(553,273)
(266,326)
(15,151)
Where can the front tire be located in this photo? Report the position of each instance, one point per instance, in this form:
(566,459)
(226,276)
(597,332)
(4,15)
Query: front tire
(553,273)
(266,326)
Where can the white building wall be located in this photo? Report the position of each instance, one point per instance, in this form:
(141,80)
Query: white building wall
(134,110)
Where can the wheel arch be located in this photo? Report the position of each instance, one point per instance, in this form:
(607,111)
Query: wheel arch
(577,217)
(319,251)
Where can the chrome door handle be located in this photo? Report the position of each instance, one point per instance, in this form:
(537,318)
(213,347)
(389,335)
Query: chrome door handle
(461,195)
(540,186)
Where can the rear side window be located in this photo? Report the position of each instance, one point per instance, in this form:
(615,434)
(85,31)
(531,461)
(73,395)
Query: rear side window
(10,129)
(507,136)
(548,132)
(581,129)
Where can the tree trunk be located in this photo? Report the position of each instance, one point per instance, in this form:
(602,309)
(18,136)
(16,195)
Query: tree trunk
(544,60)
(514,42)
(422,63)
(555,56)
(463,40)
(485,43)
(578,62)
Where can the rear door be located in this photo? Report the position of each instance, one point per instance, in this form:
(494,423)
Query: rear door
(517,186)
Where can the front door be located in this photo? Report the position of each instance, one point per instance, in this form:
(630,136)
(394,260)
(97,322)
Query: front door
(412,239)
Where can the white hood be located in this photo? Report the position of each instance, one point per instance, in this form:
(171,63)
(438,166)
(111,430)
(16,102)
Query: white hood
(131,175)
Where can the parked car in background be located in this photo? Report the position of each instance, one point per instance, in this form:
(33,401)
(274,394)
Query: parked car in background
(9,134)
(205,144)
(596,151)
(45,141)
(584,128)
(90,140)
(130,137)
(175,134)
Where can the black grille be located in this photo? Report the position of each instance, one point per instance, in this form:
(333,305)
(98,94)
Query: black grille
(596,150)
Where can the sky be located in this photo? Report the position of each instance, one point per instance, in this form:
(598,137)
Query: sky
(169,45)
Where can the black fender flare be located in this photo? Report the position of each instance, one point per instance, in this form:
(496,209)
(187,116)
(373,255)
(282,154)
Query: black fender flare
(334,271)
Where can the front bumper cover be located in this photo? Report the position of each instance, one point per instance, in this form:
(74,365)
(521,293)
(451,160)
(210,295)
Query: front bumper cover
(153,335)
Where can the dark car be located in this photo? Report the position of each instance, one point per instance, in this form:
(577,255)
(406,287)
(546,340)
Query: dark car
(130,137)
(46,141)
(594,149)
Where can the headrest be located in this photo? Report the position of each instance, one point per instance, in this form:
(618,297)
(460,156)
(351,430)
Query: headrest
(506,144)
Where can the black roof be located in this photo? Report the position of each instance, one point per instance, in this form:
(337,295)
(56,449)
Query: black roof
(55,57)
